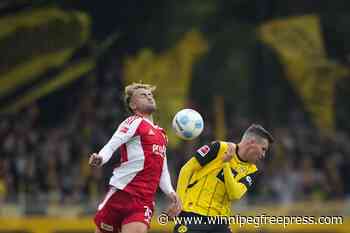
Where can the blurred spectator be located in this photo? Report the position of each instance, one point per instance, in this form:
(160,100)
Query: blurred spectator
(312,180)
(333,181)
(3,188)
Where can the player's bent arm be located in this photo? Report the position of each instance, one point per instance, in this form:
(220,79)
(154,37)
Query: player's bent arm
(165,181)
(235,189)
(125,131)
(166,186)
(185,175)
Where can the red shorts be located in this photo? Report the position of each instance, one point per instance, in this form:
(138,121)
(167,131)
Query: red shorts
(119,208)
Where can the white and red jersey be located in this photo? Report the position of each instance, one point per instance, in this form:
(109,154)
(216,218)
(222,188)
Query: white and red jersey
(143,158)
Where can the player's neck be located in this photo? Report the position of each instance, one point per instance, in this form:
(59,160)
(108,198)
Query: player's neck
(241,151)
(149,117)
(145,115)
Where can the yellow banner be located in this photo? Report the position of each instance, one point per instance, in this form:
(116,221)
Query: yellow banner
(71,73)
(171,72)
(43,50)
(31,70)
(299,43)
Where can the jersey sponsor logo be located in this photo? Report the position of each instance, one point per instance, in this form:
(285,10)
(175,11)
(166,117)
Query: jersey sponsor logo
(124,129)
(203,150)
(159,150)
(106,227)
(249,180)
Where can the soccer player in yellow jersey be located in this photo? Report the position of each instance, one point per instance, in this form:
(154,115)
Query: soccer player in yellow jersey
(217,175)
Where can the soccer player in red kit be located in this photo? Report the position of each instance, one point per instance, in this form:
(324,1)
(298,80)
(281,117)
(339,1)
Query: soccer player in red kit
(128,205)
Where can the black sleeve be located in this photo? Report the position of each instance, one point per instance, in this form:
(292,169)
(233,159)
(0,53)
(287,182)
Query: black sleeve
(207,153)
(249,180)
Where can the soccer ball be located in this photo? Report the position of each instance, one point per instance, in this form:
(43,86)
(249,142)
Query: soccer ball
(188,124)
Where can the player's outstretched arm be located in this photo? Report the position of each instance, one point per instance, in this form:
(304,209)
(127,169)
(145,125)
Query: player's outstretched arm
(165,181)
(166,186)
(126,130)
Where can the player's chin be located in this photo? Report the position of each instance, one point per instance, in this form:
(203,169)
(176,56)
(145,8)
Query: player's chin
(256,160)
(153,108)
(150,109)
(259,159)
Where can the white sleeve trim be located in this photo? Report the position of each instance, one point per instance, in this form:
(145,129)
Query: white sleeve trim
(165,181)
(125,131)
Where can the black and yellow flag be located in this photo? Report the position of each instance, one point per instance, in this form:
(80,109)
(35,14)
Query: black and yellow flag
(299,43)
(33,42)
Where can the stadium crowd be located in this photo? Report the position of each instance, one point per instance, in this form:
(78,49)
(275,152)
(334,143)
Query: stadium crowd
(49,163)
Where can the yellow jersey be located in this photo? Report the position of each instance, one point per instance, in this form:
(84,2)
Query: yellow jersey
(207,185)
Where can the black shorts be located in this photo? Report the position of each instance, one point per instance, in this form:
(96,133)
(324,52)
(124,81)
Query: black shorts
(188,222)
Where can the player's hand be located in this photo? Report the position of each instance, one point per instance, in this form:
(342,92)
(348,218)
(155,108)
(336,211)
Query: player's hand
(95,160)
(229,152)
(175,205)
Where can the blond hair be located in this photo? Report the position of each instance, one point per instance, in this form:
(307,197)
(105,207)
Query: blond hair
(130,89)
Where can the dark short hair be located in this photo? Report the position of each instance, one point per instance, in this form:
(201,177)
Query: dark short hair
(258,130)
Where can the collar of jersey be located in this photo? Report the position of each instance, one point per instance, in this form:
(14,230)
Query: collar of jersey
(237,158)
(155,126)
